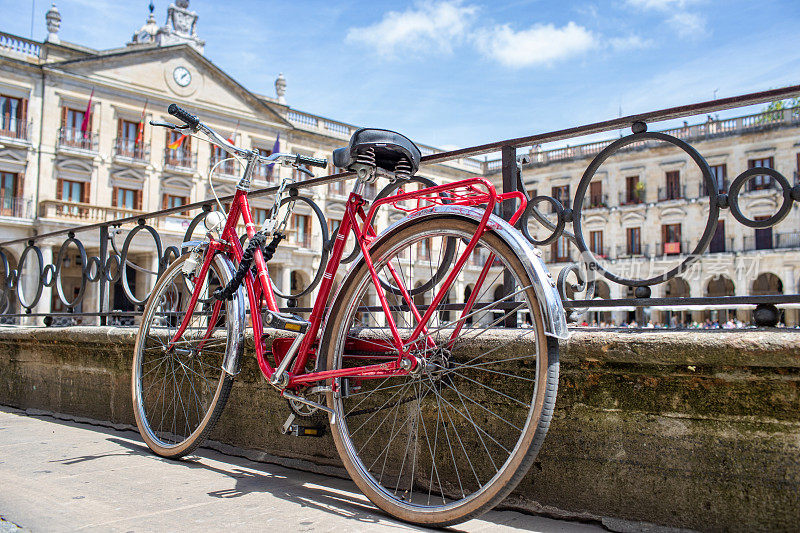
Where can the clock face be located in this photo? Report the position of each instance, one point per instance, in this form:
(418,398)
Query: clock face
(182,76)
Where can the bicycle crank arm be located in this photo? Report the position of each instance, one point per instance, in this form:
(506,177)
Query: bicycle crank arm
(290,396)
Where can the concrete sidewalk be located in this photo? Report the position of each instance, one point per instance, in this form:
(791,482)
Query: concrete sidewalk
(60,475)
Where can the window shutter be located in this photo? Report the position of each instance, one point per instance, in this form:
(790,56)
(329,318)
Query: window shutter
(114,193)
(59,189)
(19,185)
(23,109)
(119,128)
(64,111)
(85,193)
(164,201)
(137,199)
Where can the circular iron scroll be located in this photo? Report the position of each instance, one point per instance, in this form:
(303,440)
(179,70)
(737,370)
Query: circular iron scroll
(708,232)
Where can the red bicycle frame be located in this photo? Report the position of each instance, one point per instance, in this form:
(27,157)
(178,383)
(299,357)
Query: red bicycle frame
(260,291)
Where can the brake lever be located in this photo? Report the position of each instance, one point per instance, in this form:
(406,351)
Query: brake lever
(169,125)
(304,170)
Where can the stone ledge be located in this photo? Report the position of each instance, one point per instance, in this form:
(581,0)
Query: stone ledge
(694,429)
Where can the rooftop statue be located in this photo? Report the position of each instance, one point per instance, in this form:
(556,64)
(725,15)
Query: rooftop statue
(180,19)
(180,27)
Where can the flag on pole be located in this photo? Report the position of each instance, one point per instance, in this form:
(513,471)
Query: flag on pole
(140,133)
(87,116)
(232,138)
(174,145)
(275,149)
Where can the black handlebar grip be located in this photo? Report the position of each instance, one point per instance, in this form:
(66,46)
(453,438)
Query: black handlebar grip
(182,114)
(311,161)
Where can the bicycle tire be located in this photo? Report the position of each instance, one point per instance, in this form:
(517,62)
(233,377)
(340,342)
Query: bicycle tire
(194,408)
(374,464)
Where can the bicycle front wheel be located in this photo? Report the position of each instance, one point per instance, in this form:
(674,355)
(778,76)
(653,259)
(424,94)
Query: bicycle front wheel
(180,387)
(452,439)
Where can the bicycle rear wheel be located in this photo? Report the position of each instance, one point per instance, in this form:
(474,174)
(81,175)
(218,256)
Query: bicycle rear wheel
(180,389)
(449,441)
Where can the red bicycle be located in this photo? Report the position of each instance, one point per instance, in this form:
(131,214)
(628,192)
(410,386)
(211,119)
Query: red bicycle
(435,362)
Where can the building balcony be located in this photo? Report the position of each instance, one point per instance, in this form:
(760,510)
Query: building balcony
(603,253)
(771,241)
(631,198)
(262,172)
(128,150)
(672,248)
(15,130)
(631,250)
(180,160)
(16,207)
(703,190)
(77,141)
(227,167)
(721,246)
(596,201)
(77,211)
(665,194)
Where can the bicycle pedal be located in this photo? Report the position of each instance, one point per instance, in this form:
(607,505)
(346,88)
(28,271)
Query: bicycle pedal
(285,322)
(296,430)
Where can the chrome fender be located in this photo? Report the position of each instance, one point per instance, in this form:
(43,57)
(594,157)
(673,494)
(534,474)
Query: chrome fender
(555,320)
(232,364)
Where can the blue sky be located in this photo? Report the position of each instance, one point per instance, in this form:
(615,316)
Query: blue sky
(460,73)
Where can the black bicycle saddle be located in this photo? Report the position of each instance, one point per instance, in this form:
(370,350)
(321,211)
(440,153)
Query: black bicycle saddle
(389,146)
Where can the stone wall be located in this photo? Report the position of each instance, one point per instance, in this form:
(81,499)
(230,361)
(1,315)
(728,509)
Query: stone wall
(687,429)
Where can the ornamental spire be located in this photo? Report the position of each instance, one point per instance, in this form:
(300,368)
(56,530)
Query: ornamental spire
(53,18)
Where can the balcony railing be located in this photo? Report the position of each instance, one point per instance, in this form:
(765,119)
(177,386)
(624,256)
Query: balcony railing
(672,248)
(671,193)
(722,187)
(774,241)
(262,172)
(629,250)
(631,197)
(705,130)
(15,207)
(14,128)
(597,200)
(130,149)
(19,45)
(179,159)
(226,168)
(74,138)
(722,246)
(82,212)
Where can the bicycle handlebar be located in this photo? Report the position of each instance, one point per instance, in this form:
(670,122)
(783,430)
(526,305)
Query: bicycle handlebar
(178,112)
(311,161)
(194,124)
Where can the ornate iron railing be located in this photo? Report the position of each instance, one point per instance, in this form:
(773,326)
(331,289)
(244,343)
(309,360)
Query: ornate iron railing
(37,273)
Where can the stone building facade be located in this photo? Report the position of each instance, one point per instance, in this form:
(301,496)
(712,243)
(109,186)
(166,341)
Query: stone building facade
(647,207)
(76,148)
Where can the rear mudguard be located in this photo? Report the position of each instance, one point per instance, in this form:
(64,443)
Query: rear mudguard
(555,320)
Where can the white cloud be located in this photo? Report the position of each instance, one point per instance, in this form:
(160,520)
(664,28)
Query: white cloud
(538,45)
(427,26)
(632,42)
(659,4)
(688,24)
